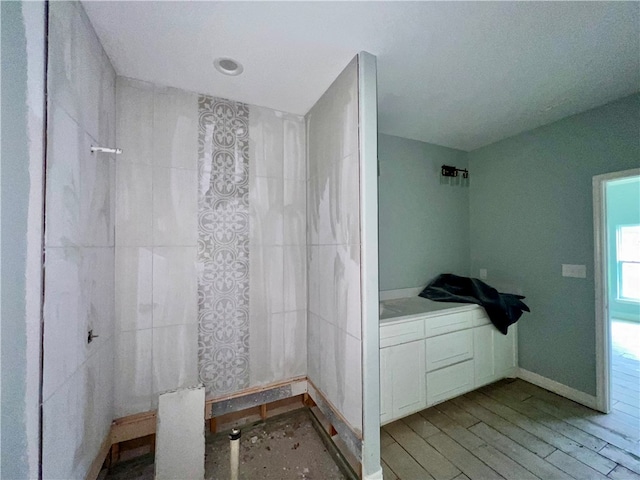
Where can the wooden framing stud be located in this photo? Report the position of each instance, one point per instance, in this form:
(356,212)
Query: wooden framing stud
(114,454)
(263,411)
(213,427)
(308,401)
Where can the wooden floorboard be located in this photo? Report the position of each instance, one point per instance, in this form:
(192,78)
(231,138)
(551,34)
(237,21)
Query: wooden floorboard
(516,431)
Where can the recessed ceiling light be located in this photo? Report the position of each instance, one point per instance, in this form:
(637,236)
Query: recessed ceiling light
(228,66)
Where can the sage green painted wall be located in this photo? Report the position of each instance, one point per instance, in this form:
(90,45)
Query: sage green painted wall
(531,210)
(424,218)
(623,208)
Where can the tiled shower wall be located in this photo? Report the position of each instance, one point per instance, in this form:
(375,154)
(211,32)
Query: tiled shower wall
(210,220)
(156,239)
(333,209)
(79,246)
(277,251)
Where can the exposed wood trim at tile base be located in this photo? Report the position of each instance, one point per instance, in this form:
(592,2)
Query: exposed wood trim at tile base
(559,388)
(133,426)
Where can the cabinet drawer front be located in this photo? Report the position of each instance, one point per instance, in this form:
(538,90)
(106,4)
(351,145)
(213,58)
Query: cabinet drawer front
(480,317)
(448,323)
(401,333)
(449,382)
(448,349)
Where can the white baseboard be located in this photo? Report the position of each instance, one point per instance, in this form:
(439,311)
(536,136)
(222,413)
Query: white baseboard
(559,388)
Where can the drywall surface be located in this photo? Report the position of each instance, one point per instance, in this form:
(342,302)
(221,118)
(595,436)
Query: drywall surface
(23,62)
(424,217)
(531,211)
(623,208)
(180,442)
(79,246)
(334,349)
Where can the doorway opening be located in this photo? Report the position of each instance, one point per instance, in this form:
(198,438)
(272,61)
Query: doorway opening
(617,278)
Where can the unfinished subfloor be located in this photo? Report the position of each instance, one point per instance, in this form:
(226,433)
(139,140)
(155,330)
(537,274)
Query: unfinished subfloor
(283,447)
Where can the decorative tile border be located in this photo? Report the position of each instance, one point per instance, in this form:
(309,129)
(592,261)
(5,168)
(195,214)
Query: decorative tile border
(223,245)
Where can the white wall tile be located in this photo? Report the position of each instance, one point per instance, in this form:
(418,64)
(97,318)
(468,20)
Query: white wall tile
(295,212)
(98,199)
(175,128)
(98,294)
(347,197)
(266,348)
(295,278)
(135,120)
(76,80)
(294,148)
(347,289)
(350,364)
(133,372)
(134,282)
(107,103)
(329,369)
(266,211)
(175,358)
(326,277)
(313,212)
(134,204)
(95,401)
(67,147)
(174,206)
(175,297)
(313,279)
(313,348)
(266,142)
(60,431)
(63,309)
(266,279)
(295,344)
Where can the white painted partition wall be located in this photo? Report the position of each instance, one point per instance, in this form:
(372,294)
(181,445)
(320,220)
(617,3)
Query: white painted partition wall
(342,240)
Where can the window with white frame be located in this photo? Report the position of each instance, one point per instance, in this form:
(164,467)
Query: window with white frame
(628,257)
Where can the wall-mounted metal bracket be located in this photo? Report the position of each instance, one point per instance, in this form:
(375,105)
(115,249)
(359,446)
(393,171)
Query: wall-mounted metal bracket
(449,171)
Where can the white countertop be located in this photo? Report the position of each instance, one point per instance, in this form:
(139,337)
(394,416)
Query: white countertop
(404,309)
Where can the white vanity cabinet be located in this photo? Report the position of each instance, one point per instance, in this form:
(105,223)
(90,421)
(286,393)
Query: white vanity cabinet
(402,369)
(403,382)
(429,357)
(496,354)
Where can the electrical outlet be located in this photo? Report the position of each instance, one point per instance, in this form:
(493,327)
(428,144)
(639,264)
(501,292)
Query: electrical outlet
(574,271)
(483,273)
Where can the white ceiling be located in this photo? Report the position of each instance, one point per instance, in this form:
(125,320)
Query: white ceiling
(458,74)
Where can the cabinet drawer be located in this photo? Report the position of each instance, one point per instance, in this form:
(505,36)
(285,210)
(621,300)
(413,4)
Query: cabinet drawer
(480,317)
(449,382)
(445,350)
(448,323)
(401,333)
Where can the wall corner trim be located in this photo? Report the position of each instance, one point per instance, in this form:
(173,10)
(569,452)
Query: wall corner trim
(559,388)
(374,476)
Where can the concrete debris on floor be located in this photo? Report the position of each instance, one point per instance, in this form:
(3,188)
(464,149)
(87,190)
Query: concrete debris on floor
(282,448)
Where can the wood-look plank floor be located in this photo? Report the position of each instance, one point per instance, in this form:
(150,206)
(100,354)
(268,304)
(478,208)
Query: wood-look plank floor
(625,367)
(516,431)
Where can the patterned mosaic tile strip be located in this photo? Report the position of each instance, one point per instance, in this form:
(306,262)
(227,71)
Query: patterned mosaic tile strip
(223,245)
